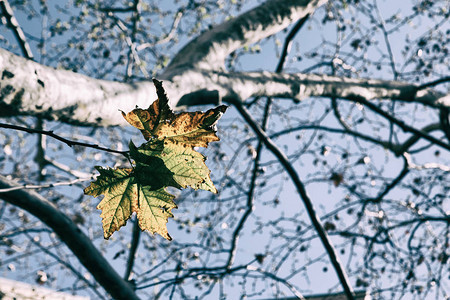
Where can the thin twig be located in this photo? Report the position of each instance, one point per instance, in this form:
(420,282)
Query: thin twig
(46,185)
(18,32)
(251,190)
(403,125)
(61,139)
(276,278)
(62,167)
(288,42)
(67,265)
(133,56)
(168,37)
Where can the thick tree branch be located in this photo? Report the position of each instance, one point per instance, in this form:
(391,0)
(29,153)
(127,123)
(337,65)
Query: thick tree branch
(209,50)
(28,88)
(72,236)
(301,86)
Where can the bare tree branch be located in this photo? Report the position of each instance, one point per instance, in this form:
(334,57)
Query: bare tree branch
(404,126)
(48,185)
(335,261)
(15,27)
(61,139)
(135,237)
(72,236)
(66,264)
(252,186)
(28,88)
(209,50)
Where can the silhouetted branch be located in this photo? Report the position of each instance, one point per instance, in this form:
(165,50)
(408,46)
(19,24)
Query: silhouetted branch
(403,125)
(61,139)
(433,83)
(288,42)
(14,25)
(252,185)
(133,248)
(72,236)
(343,278)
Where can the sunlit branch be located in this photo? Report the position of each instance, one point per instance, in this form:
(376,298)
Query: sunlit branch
(133,56)
(209,50)
(425,166)
(89,101)
(168,37)
(62,167)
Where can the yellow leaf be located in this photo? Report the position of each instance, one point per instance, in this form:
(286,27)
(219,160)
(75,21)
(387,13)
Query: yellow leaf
(155,207)
(120,197)
(187,166)
(123,196)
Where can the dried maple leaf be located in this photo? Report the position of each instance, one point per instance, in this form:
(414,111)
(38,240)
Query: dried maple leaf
(195,129)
